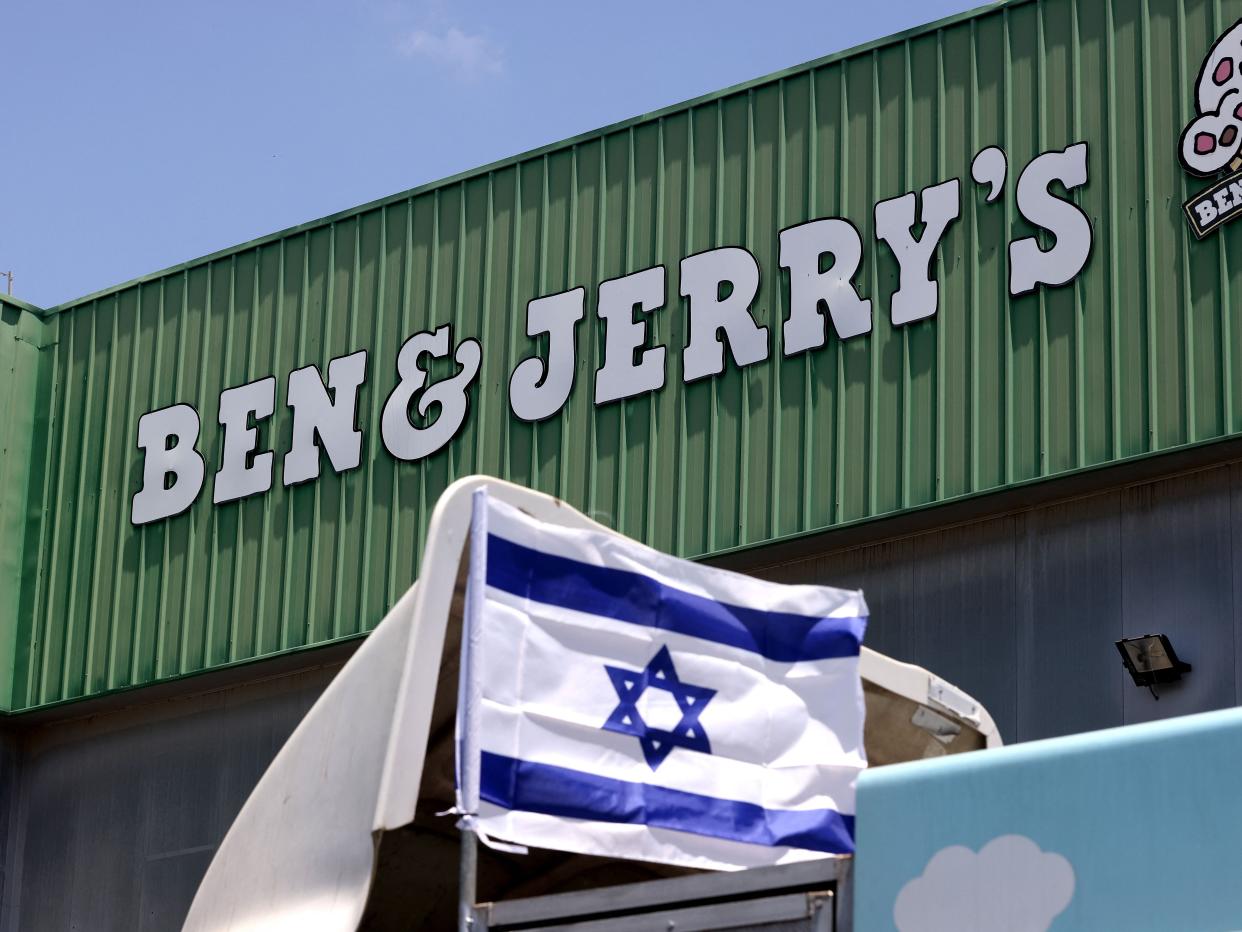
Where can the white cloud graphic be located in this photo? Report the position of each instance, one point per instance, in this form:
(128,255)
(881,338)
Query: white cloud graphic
(1009,886)
(471,55)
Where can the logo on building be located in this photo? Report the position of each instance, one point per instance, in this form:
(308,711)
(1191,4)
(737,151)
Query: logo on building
(1211,145)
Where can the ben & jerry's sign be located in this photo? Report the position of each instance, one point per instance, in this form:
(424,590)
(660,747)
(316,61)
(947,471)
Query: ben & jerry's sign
(823,257)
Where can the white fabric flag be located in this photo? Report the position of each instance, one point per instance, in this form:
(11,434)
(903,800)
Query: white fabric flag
(633,705)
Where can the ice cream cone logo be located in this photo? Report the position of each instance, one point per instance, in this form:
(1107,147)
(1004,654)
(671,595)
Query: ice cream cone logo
(1211,146)
(1212,143)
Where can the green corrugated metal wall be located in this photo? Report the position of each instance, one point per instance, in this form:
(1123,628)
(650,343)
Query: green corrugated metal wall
(24,389)
(1136,356)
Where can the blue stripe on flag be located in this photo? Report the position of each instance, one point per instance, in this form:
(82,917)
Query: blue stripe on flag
(641,600)
(559,791)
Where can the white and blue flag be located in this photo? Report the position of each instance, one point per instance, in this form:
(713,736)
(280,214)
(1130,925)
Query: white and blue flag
(625,703)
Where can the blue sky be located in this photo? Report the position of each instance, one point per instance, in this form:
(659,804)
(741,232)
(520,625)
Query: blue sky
(142,133)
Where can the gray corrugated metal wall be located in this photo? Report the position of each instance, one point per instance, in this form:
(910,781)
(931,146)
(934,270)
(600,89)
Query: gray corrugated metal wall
(118,815)
(12,838)
(1022,610)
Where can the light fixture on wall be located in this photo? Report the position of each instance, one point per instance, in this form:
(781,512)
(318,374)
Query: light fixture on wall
(1151,659)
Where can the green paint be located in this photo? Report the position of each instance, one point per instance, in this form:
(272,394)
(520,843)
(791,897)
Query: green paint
(24,365)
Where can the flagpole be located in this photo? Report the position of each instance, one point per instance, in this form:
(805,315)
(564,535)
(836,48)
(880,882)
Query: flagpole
(468,698)
(467,880)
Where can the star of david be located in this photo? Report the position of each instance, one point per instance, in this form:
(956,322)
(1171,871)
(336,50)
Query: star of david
(657,743)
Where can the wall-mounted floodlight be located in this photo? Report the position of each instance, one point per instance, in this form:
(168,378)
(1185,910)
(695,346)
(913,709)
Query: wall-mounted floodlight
(1151,659)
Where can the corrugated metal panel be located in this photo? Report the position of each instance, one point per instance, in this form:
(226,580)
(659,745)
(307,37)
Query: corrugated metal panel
(24,389)
(981,603)
(1137,356)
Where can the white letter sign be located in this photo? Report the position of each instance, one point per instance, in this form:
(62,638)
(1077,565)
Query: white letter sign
(823,257)
(918,294)
(1028,264)
(172,470)
(537,390)
(242,471)
(401,438)
(332,420)
(620,376)
(703,276)
(801,250)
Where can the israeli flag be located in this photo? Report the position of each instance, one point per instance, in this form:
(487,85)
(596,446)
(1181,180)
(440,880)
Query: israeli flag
(617,701)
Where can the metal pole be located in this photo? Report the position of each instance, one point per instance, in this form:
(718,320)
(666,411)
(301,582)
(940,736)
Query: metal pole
(467,880)
(468,699)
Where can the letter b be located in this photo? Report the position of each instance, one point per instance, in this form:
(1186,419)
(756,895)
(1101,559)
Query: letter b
(167,438)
